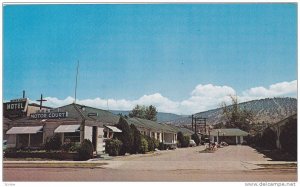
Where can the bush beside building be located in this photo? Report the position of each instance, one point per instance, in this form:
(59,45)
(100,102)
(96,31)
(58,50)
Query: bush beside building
(113,147)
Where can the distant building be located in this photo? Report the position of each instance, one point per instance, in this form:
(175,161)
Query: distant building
(230,136)
(159,131)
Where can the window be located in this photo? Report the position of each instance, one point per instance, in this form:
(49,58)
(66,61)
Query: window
(36,140)
(105,134)
(72,136)
(22,140)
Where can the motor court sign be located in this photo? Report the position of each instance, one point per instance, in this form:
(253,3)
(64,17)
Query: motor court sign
(50,115)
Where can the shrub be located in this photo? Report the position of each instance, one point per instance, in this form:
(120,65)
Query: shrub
(162,146)
(144,146)
(113,147)
(75,147)
(183,141)
(53,143)
(152,143)
(125,136)
(67,146)
(196,138)
(10,150)
(156,143)
(186,141)
(85,151)
(268,139)
(70,147)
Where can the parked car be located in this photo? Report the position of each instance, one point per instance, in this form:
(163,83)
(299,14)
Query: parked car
(4,147)
(224,144)
(192,143)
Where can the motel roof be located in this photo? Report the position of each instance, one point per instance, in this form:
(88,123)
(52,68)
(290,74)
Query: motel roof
(184,131)
(155,126)
(228,132)
(284,121)
(89,113)
(76,113)
(150,125)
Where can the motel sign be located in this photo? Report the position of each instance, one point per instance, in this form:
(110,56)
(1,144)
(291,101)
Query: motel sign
(15,108)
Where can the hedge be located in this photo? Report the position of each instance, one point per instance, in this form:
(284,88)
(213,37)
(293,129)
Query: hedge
(113,147)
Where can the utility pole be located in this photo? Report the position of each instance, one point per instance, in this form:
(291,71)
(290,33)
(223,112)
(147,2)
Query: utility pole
(41,101)
(192,122)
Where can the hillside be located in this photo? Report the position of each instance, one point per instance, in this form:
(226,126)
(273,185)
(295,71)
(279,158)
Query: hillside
(268,110)
(161,116)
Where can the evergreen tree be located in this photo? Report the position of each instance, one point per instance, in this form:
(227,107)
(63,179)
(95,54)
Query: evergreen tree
(180,138)
(196,138)
(137,140)
(138,111)
(144,112)
(151,113)
(125,136)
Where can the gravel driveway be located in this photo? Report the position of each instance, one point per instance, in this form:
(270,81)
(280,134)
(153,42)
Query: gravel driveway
(232,163)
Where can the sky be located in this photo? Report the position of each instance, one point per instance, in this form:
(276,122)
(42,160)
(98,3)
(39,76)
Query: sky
(181,58)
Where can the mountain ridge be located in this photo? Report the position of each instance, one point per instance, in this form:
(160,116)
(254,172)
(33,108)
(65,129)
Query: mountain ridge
(268,110)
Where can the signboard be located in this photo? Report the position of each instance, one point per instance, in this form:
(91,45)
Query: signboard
(92,114)
(18,100)
(50,115)
(16,105)
(15,108)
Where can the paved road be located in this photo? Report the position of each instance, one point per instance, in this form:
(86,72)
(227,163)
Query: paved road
(233,163)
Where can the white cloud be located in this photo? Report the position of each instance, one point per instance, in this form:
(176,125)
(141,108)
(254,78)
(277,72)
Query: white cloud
(274,90)
(210,90)
(203,97)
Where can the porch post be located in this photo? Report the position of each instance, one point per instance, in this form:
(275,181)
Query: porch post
(62,138)
(236,140)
